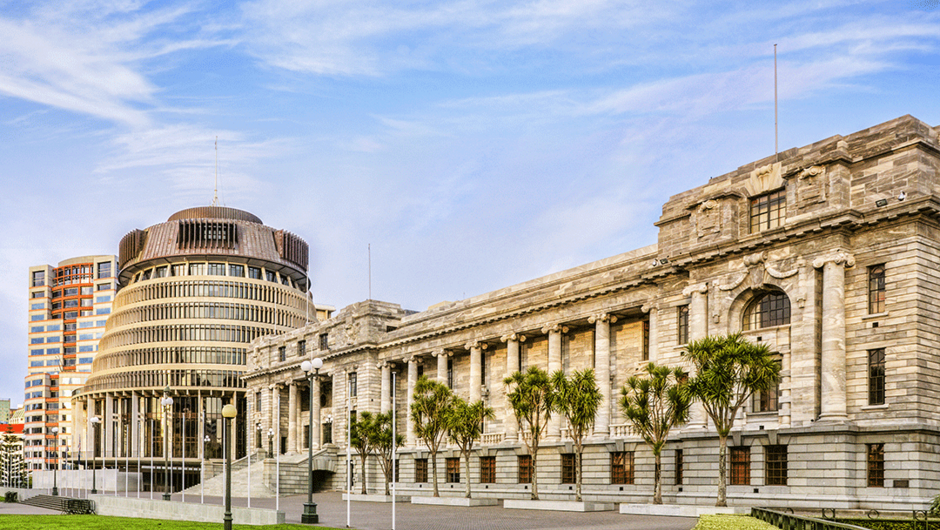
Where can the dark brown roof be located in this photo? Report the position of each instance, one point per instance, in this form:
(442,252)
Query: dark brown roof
(215,212)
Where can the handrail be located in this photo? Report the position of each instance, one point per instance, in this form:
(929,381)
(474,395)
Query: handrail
(789,521)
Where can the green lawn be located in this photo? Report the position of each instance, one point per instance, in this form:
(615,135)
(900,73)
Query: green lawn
(732,522)
(96,522)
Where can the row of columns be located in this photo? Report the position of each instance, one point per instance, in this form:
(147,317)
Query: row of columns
(114,438)
(833,386)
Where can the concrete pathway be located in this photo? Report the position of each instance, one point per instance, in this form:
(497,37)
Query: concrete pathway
(377,516)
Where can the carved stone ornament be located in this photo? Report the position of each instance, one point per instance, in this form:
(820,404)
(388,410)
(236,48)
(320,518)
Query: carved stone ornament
(351,333)
(512,336)
(811,186)
(764,179)
(700,288)
(707,218)
(602,317)
(839,258)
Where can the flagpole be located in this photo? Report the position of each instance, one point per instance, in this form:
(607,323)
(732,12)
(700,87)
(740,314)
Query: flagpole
(776,129)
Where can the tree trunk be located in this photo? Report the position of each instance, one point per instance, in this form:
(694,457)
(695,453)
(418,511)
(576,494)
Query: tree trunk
(577,475)
(535,481)
(362,473)
(466,457)
(388,475)
(658,479)
(434,471)
(722,470)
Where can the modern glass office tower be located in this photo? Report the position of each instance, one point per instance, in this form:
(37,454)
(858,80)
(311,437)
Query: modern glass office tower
(193,292)
(68,306)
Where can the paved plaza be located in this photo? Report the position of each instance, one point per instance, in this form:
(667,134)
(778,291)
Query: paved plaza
(377,516)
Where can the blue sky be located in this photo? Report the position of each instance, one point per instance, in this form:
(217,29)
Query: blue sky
(474,144)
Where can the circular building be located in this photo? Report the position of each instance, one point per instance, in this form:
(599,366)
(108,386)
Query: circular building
(193,292)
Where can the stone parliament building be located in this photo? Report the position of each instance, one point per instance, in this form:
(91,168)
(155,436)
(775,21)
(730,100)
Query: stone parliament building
(826,253)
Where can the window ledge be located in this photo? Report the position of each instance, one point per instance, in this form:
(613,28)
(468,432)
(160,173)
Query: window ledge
(764,414)
(875,316)
(875,407)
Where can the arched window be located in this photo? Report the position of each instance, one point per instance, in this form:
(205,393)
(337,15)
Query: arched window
(770,309)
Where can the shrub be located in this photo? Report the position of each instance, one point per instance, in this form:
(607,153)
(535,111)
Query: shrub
(9,496)
(732,522)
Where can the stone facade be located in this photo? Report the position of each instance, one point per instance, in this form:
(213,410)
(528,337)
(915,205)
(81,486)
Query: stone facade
(826,253)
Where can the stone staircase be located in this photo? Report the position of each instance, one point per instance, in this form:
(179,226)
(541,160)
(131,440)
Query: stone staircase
(47,501)
(215,486)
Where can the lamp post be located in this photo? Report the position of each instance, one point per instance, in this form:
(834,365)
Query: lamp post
(202,472)
(167,402)
(55,482)
(95,420)
(228,412)
(312,368)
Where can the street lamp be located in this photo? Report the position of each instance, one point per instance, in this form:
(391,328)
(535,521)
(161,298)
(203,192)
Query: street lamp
(228,412)
(270,441)
(95,420)
(167,402)
(55,482)
(310,508)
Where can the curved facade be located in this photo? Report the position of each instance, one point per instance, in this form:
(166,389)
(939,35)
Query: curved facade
(193,292)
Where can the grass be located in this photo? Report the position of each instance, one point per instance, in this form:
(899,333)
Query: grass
(732,522)
(101,522)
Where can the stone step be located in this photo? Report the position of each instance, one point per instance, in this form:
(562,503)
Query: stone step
(47,501)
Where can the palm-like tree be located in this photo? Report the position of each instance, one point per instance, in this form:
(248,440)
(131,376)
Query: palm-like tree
(577,398)
(382,441)
(431,403)
(728,370)
(532,399)
(364,436)
(654,404)
(465,426)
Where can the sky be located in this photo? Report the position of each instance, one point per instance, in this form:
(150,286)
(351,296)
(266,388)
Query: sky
(470,144)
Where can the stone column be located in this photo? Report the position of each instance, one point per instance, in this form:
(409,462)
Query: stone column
(554,364)
(108,423)
(135,431)
(602,368)
(412,381)
(476,372)
(832,384)
(315,432)
(698,329)
(386,401)
(292,425)
(90,429)
(512,366)
(654,330)
(275,421)
(442,356)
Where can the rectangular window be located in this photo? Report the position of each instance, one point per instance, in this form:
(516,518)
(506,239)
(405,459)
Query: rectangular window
(768,400)
(254,273)
(271,276)
(621,467)
(453,469)
(216,269)
(40,305)
(876,376)
(682,325)
(105,286)
(282,353)
(876,289)
(740,466)
(104,269)
(768,211)
(525,469)
(487,470)
(159,272)
(197,269)
(102,299)
(679,465)
(775,465)
(567,468)
(352,384)
(39,278)
(301,348)
(421,470)
(523,357)
(236,270)
(483,367)
(876,465)
(450,373)
(99,311)
(646,340)
(37,294)
(324,341)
